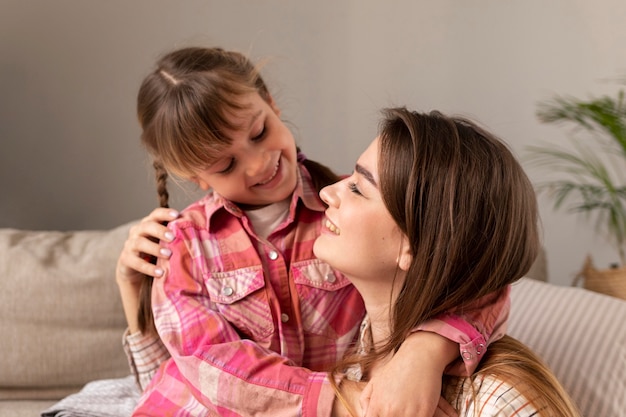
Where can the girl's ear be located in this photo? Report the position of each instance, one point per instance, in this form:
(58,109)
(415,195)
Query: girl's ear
(273,105)
(204,186)
(405,258)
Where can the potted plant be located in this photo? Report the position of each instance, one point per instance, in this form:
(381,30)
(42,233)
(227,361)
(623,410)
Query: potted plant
(591,173)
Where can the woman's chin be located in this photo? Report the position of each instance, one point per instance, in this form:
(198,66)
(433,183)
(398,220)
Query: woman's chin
(320,249)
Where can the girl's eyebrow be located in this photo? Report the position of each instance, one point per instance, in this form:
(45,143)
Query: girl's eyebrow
(367,174)
(254,118)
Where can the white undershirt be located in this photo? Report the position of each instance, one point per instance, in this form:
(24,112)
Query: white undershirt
(266,219)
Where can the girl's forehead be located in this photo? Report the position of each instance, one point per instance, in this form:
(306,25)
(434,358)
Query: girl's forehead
(244,116)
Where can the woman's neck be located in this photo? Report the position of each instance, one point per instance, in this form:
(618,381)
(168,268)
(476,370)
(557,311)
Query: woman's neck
(379,322)
(379,301)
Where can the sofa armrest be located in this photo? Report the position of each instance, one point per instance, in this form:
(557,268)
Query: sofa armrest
(60,311)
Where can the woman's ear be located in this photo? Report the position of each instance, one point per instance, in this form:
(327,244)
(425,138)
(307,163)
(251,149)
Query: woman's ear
(405,258)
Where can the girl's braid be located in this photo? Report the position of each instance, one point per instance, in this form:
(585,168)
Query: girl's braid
(145,317)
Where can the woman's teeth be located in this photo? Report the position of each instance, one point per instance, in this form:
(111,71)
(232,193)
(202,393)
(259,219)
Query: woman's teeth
(332,227)
(271,177)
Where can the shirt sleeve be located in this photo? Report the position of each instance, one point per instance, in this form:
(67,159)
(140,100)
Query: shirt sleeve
(226,373)
(474,327)
(145,353)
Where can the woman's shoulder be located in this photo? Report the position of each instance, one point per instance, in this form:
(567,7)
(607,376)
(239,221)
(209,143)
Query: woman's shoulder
(488,395)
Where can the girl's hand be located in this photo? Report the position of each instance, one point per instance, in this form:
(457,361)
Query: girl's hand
(142,245)
(409,384)
(133,264)
(348,405)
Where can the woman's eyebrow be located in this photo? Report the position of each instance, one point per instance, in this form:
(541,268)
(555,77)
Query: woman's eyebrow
(367,174)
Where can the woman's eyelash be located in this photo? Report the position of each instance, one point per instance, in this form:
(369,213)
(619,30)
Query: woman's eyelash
(353,188)
(260,135)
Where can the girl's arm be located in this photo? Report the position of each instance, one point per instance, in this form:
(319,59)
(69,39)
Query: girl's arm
(410,383)
(145,352)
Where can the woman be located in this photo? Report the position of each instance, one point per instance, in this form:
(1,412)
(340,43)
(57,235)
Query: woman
(437,214)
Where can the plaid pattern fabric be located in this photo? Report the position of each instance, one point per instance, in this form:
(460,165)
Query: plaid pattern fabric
(145,353)
(489,396)
(225,287)
(253,325)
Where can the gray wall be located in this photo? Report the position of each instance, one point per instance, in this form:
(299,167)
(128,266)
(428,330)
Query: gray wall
(70,69)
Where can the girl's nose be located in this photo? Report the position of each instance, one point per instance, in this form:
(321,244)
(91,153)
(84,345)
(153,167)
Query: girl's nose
(256,164)
(329,195)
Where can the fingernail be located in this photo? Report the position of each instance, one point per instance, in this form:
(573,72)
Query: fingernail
(165,252)
(174,214)
(158,272)
(169,236)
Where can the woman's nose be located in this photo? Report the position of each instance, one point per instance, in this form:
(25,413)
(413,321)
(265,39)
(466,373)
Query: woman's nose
(329,195)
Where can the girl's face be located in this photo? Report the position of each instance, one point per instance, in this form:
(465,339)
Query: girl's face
(260,166)
(359,236)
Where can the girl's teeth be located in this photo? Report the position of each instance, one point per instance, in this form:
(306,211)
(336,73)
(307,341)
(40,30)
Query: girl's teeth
(332,227)
(270,178)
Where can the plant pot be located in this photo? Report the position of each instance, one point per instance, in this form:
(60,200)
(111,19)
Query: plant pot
(610,281)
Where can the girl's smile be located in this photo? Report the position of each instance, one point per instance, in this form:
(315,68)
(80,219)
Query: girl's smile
(272,176)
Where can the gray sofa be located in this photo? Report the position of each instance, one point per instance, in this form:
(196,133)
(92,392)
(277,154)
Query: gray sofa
(62,324)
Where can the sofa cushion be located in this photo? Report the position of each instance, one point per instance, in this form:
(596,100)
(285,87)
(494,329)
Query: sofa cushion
(60,311)
(581,335)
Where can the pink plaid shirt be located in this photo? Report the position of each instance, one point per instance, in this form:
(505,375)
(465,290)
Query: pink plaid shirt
(252,324)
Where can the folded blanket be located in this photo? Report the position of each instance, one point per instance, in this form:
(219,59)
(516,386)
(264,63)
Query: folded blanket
(103,398)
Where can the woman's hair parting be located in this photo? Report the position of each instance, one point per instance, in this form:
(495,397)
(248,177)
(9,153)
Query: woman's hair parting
(184,106)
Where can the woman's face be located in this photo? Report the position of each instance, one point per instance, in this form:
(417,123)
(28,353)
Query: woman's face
(359,236)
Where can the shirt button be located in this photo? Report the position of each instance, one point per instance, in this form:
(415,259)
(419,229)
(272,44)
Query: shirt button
(284,318)
(467,355)
(227,291)
(331,278)
(273,255)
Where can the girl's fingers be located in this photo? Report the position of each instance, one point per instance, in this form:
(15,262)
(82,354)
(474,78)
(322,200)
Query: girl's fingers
(162,214)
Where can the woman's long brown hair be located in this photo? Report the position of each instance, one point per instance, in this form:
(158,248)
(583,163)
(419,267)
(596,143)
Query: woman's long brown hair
(511,361)
(470,215)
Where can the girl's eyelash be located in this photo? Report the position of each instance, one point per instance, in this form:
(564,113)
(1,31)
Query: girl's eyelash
(353,188)
(229,168)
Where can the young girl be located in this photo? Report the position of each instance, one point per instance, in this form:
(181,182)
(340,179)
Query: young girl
(436,214)
(251,320)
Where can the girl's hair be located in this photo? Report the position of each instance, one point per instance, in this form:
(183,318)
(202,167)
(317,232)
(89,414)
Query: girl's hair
(184,106)
(468,210)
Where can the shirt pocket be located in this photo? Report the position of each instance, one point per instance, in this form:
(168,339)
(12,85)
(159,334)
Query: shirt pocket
(240,297)
(324,297)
